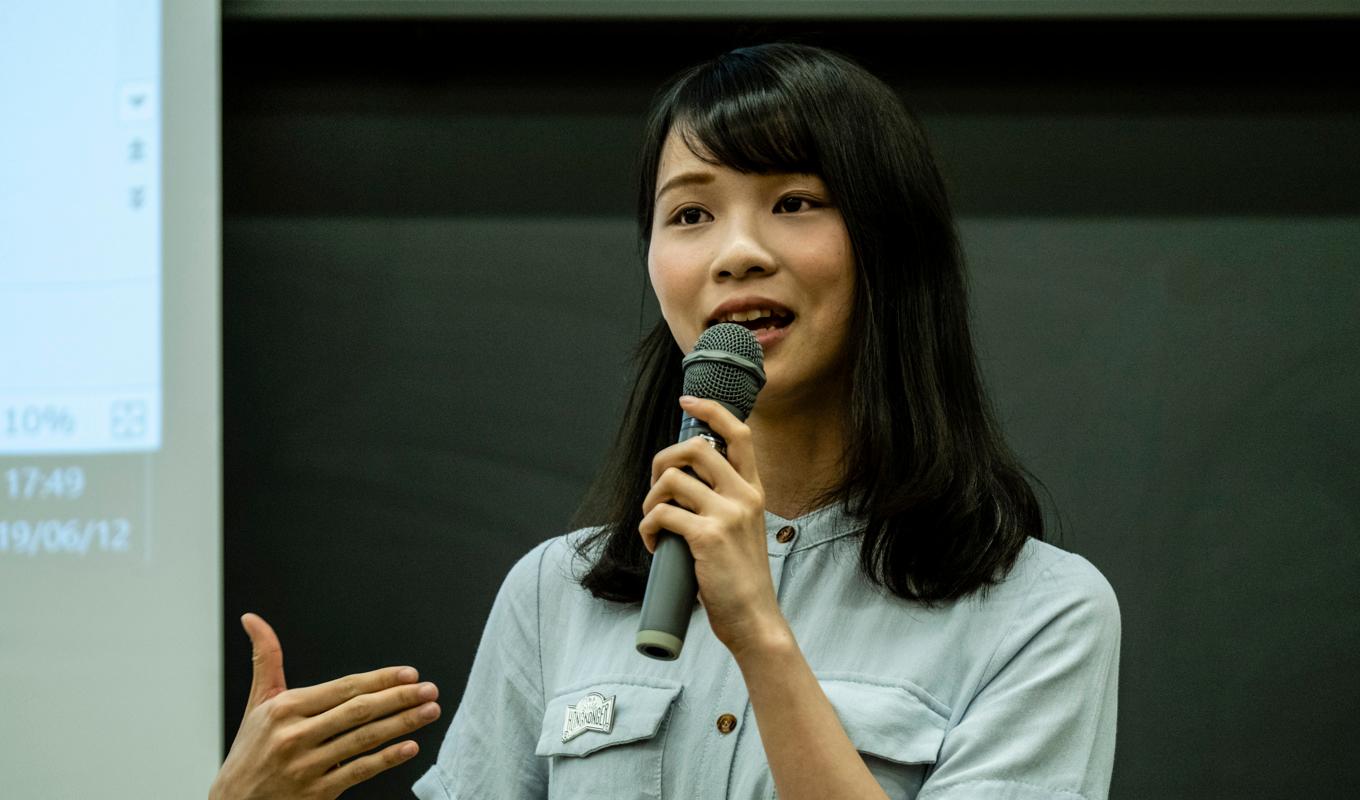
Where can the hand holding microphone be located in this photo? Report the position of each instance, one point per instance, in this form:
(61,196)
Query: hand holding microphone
(704,519)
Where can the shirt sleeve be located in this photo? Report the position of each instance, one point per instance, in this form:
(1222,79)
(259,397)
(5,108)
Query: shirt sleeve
(1042,727)
(489,748)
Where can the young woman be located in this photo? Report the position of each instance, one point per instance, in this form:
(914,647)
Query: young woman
(878,614)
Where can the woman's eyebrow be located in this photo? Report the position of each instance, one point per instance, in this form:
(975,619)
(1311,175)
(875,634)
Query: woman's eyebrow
(685,179)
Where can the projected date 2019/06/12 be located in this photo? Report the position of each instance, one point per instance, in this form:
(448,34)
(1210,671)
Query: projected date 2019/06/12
(76,537)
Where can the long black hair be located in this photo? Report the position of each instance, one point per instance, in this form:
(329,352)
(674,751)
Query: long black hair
(944,503)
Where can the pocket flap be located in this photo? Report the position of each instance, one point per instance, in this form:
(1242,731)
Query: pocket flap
(896,723)
(629,709)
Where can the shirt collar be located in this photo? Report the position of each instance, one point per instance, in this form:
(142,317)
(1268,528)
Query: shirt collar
(814,528)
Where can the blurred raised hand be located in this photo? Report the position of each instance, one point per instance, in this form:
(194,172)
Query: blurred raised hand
(316,741)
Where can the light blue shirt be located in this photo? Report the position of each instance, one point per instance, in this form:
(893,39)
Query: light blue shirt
(1009,694)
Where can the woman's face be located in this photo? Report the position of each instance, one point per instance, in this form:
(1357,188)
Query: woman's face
(768,251)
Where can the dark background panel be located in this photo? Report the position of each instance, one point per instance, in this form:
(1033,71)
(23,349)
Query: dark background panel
(1181,386)
(431,290)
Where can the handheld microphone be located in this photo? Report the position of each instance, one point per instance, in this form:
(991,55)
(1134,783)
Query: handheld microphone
(726,365)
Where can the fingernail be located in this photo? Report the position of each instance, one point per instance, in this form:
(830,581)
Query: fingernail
(408,749)
(407,675)
(688,400)
(430,711)
(428,692)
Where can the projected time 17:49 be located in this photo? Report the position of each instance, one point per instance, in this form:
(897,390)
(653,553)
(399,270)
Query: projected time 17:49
(35,483)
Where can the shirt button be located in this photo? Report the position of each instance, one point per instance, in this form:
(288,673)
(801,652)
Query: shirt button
(785,534)
(726,723)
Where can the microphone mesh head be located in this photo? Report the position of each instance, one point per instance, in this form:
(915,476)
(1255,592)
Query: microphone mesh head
(734,380)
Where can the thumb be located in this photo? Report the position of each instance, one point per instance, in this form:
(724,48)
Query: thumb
(266,655)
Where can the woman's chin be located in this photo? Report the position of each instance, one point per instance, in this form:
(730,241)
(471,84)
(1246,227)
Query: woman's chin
(792,388)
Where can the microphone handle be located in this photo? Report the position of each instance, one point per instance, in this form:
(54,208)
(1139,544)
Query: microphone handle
(671,585)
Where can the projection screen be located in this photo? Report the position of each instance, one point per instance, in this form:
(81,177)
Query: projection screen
(110,574)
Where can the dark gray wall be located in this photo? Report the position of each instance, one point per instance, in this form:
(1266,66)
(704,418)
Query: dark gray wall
(431,290)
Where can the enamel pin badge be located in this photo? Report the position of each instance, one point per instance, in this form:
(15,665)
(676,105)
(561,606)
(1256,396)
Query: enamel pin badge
(594,712)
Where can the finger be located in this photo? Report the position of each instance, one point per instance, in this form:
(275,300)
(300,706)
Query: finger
(699,455)
(695,458)
(367,737)
(667,517)
(361,769)
(685,490)
(266,657)
(365,708)
(741,453)
(323,697)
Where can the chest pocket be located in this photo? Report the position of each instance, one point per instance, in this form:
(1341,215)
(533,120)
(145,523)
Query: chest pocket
(626,761)
(898,730)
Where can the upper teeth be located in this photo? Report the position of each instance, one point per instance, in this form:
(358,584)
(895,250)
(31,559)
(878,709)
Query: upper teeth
(755,313)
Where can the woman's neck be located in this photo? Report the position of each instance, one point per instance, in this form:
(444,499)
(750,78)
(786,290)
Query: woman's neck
(799,456)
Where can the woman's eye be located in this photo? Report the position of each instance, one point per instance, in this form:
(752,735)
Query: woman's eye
(689,216)
(792,204)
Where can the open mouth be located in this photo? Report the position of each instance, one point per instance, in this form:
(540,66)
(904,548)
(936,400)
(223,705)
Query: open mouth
(758,319)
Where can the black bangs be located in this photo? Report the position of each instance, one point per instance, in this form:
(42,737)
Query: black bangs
(754,110)
(744,115)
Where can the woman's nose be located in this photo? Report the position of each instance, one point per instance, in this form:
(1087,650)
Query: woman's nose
(743,255)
